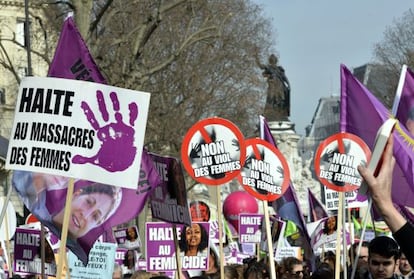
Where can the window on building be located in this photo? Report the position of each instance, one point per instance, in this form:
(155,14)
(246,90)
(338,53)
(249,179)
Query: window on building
(20,37)
(335,109)
(2,96)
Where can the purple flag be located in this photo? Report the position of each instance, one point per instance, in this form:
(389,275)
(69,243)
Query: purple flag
(72,60)
(287,206)
(317,210)
(362,114)
(169,200)
(403,107)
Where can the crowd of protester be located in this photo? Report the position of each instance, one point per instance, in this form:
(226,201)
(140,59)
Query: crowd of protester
(378,259)
(381,258)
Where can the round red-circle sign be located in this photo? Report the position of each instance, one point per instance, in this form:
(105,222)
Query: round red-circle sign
(213,151)
(337,159)
(265,173)
(31,219)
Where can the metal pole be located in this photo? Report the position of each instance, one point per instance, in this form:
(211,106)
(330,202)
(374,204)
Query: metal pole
(27,37)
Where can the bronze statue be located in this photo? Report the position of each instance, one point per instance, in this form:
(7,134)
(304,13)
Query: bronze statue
(278,90)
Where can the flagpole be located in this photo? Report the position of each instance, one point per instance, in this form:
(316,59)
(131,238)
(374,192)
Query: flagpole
(364,226)
(8,241)
(269,240)
(179,273)
(344,207)
(6,203)
(398,93)
(338,236)
(62,248)
(220,227)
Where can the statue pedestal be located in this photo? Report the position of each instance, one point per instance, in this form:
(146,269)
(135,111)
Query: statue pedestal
(300,171)
(281,127)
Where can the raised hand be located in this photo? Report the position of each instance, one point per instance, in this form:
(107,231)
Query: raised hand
(117,151)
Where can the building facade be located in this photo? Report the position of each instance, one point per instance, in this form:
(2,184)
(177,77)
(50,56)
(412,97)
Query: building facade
(14,65)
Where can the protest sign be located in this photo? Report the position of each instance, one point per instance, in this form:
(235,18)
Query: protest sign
(250,227)
(352,199)
(79,129)
(27,249)
(337,159)
(120,255)
(286,252)
(326,232)
(169,199)
(110,206)
(160,252)
(128,238)
(265,174)
(213,151)
(100,263)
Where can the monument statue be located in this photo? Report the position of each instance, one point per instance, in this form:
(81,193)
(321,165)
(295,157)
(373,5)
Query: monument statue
(278,91)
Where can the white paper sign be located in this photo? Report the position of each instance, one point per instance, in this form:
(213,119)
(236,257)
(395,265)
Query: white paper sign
(79,129)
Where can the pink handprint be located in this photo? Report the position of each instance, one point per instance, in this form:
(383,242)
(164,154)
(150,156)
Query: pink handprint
(117,150)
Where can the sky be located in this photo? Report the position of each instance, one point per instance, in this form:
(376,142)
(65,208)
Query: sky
(314,37)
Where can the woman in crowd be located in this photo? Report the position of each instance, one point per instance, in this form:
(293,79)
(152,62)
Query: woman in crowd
(291,267)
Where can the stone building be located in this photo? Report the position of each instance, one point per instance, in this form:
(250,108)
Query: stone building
(14,66)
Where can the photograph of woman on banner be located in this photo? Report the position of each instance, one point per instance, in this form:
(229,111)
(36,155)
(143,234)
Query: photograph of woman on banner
(330,225)
(200,211)
(194,240)
(92,204)
(276,226)
(132,238)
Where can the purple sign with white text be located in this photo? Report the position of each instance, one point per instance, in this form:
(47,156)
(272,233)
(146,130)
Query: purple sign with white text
(249,227)
(192,240)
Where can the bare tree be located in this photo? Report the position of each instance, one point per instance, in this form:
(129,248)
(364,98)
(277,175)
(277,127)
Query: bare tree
(396,49)
(195,57)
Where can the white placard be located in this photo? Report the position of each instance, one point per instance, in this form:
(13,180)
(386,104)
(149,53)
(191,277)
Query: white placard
(79,129)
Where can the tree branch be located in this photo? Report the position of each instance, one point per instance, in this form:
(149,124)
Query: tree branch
(99,16)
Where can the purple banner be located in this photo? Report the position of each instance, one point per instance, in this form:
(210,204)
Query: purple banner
(362,114)
(120,255)
(27,249)
(317,211)
(169,200)
(405,101)
(95,207)
(72,59)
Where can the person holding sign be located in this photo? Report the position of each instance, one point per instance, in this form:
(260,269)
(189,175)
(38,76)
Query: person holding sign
(380,191)
(194,240)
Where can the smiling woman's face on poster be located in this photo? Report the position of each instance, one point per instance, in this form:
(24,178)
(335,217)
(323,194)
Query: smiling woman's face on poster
(89,208)
(95,207)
